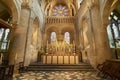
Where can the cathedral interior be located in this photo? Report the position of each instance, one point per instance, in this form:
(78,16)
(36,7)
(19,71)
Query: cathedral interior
(69,37)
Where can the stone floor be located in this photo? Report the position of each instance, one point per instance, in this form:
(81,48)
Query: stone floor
(57,75)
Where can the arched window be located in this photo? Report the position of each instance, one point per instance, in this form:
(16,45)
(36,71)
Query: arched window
(67,37)
(109,31)
(113,30)
(4,38)
(60,10)
(53,37)
(1,33)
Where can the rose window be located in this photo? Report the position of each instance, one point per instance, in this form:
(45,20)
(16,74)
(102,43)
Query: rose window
(60,10)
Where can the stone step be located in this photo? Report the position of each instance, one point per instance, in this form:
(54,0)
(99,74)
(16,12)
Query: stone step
(38,67)
(33,69)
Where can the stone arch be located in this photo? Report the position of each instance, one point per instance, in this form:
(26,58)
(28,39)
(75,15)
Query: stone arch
(48,32)
(109,6)
(107,9)
(11,9)
(71,32)
(14,11)
(47,9)
(74,10)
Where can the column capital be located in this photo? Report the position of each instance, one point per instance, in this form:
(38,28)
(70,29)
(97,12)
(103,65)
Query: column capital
(26,4)
(14,24)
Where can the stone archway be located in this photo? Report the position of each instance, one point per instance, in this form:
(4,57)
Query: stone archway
(12,19)
(107,9)
(14,11)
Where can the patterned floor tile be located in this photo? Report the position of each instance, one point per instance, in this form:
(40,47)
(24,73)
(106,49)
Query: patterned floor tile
(57,75)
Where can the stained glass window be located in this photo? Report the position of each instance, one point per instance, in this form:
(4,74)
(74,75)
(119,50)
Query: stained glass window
(1,33)
(109,31)
(4,38)
(67,37)
(60,10)
(53,37)
(113,30)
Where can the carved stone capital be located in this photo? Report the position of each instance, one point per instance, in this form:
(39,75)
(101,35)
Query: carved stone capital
(14,24)
(25,5)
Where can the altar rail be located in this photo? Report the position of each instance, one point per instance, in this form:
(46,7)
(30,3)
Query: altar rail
(54,19)
(60,59)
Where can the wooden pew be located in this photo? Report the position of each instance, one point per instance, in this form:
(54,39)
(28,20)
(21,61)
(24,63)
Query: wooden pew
(110,68)
(6,72)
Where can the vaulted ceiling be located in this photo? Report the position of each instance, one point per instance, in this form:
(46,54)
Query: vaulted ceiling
(117,11)
(4,10)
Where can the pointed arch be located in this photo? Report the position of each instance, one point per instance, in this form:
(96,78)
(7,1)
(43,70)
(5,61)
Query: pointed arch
(53,37)
(108,8)
(73,9)
(47,9)
(14,11)
(67,37)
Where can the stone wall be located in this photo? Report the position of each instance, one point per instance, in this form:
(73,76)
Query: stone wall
(98,49)
(22,34)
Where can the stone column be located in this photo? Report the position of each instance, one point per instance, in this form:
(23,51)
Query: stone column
(28,45)
(18,43)
(100,43)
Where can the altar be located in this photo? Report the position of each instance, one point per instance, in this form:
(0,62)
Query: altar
(60,59)
(60,52)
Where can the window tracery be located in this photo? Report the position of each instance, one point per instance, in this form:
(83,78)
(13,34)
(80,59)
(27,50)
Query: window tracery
(53,37)
(67,37)
(113,30)
(60,10)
